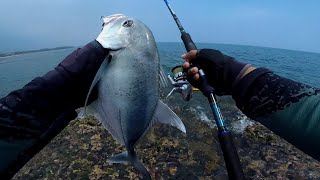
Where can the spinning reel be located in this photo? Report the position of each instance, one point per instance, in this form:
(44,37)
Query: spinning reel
(180,83)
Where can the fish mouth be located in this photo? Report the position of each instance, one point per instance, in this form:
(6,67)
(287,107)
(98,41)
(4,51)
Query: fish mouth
(112,18)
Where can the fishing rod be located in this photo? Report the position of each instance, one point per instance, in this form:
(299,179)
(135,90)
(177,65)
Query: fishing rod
(225,138)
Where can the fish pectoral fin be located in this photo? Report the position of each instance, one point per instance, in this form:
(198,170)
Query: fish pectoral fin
(131,158)
(100,73)
(165,115)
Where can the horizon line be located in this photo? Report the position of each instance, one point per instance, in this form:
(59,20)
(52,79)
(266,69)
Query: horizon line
(307,51)
(218,43)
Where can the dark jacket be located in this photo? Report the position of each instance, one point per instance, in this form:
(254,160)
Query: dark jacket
(30,117)
(288,108)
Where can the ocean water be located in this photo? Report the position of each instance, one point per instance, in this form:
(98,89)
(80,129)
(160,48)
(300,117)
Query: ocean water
(17,70)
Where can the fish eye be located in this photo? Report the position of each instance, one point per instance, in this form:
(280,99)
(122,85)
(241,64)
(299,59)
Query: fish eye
(127,23)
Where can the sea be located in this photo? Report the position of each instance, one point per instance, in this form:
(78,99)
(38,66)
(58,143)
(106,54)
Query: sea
(17,70)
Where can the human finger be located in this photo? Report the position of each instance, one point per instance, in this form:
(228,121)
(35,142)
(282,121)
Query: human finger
(190,55)
(196,76)
(186,65)
(193,71)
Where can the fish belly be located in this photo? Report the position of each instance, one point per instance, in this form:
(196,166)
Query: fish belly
(128,96)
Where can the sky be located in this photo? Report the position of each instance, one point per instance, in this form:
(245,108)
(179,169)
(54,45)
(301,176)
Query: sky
(287,24)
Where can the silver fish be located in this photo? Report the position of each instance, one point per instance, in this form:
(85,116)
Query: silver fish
(128,83)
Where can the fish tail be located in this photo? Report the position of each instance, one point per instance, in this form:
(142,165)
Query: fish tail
(131,157)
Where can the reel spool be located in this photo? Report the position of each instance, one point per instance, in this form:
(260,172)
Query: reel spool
(180,83)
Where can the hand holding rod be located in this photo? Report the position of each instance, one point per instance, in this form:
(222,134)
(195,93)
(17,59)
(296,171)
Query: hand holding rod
(225,138)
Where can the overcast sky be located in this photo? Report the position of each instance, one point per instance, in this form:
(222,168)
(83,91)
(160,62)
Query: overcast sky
(289,24)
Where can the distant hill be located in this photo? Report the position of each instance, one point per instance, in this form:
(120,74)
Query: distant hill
(33,51)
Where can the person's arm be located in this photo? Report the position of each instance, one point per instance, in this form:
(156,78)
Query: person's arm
(288,108)
(30,117)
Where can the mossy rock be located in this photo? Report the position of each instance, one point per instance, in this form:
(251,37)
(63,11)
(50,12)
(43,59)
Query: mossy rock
(81,150)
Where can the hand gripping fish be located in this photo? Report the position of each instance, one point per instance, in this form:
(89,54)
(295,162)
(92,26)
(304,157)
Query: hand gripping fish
(128,83)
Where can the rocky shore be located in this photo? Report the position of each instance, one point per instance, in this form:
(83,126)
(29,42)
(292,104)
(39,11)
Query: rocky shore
(82,149)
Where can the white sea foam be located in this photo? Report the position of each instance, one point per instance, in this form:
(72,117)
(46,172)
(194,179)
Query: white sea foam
(241,124)
(202,116)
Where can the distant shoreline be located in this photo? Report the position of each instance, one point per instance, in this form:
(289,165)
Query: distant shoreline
(33,51)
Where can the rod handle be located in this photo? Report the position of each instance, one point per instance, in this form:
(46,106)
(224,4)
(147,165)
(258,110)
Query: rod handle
(187,41)
(230,155)
(189,45)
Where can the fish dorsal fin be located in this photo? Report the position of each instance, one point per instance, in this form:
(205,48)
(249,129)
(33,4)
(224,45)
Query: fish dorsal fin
(163,78)
(165,115)
(100,73)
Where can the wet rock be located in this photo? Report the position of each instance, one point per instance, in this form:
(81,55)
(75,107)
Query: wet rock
(172,170)
(97,173)
(82,149)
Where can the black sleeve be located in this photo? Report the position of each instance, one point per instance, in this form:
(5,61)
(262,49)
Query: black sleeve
(30,117)
(288,108)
